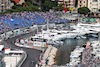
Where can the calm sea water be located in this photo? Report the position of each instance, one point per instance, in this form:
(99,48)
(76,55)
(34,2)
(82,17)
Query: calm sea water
(63,55)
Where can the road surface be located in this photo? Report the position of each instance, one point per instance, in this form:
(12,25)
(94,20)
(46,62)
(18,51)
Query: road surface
(32,54)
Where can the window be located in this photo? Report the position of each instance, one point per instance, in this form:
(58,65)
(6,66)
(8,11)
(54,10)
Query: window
(95,0)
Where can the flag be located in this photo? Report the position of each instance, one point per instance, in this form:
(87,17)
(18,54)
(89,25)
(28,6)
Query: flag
(47,44)
(71,9)
(88,46)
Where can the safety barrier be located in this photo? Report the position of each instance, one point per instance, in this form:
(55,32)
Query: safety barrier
(22,60)
(40,58)
(23,46)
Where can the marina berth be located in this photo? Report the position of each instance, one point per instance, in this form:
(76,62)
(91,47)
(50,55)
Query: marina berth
(75,56)
(90,29)
(49,36)
(93,27)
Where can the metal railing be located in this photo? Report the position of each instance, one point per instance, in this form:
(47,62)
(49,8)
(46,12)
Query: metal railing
(22,60)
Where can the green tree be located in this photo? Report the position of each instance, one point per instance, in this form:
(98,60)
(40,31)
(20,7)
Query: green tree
(47,5)
(56,8)
(59,7)
(56,2)
(20,8)
(28,1)
(83,10)
(13,2)
(92,13)
(14,7)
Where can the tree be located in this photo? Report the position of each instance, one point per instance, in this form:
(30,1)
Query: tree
(56,2)
(59,7)
(20,8)
(83,10)
(56,8)
(47,5)
(28,1)
(13,2)
(99,9)
(92,13)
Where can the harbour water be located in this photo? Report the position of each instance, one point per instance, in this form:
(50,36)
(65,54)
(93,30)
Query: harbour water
(63,55)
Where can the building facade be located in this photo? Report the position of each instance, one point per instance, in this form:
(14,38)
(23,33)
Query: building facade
(70,3)
(94,5)
(82,3)
(5,5)
(38,2)
(19,1)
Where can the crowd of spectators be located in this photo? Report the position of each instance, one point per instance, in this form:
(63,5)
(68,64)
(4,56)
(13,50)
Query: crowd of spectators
(24,19)
(51,17)
(89,59)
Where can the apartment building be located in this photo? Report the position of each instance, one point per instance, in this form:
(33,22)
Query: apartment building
(19,1)
(82,3)
(94,5)
(5,5)
(70,3)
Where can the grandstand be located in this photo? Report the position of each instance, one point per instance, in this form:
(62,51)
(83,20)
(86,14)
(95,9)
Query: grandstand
(25,19)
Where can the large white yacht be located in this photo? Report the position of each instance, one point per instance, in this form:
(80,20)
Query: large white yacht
(93,27)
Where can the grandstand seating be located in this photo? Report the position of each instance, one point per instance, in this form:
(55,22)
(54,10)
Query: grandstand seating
(24,19)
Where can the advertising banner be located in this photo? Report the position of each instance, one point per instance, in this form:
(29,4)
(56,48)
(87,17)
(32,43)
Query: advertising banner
(88,19)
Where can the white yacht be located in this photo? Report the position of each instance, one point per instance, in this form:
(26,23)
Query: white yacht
(93,27)
(87,29)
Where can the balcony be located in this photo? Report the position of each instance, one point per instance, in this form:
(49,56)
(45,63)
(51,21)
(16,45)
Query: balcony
(4,1)
(5,5)
(94,3)
(94,6)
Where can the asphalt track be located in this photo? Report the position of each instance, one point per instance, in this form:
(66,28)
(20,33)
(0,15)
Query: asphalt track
(32,54)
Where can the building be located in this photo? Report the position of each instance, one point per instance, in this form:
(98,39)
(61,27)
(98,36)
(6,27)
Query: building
(38,2)
(82,3)
(2,63)
(70,3)
(19,1)
(5,5)
(94,5)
